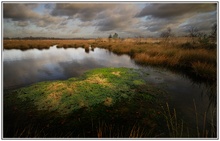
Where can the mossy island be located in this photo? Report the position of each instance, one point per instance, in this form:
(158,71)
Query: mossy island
(106,102)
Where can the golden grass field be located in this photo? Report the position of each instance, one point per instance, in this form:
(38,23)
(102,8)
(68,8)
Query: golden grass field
(177,53)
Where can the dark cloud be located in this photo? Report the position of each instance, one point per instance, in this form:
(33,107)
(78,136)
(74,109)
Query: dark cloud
(120,18)
(127,19)
(173,10)
(85,12)
(177,16)
(110,24)
(22,14)
(18,12)
(105,17)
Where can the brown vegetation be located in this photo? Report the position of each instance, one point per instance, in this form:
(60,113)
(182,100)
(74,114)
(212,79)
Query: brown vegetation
(178,54)
(199,59)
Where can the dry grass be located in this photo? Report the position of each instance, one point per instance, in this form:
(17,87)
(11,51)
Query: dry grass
(117,73)
(28,44)
(108,101)
(44,44)
(154,60)
(151,51)
(98,79)
(59,86)
(177,128)
(55,92)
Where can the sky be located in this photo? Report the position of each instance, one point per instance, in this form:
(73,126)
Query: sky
(100,19)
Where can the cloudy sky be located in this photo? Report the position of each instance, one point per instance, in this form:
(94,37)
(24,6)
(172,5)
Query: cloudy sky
(93,19)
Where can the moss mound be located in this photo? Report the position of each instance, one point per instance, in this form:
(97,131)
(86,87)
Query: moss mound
(106,102)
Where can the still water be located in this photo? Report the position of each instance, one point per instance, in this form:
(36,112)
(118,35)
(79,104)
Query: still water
(22,68)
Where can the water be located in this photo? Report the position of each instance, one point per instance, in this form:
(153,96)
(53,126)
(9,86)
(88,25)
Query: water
(22,68)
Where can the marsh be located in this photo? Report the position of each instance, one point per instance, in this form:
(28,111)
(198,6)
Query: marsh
(33,69)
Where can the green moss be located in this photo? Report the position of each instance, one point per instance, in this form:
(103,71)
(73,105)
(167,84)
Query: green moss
(94,87)
(138,82)
(115,96)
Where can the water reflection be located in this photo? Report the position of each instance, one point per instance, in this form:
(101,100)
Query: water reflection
(86,50)
(23,68)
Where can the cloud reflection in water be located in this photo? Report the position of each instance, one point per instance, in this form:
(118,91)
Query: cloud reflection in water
(26,67)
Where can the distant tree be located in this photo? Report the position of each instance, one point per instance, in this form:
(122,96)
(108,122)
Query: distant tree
(166,34)
(110,37)
(115,36)
(201,39)
(193,33)
(213,35)
(138,39)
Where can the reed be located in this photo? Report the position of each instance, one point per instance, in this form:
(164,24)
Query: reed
(196,114)
(174,127)
(177,128)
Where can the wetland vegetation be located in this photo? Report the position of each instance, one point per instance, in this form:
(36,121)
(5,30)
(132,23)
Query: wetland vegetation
(110,70)
(112,102)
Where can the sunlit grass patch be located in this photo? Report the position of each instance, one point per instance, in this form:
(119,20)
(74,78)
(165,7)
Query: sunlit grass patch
(117,73)
(98,79)
(106,85)
(108,101)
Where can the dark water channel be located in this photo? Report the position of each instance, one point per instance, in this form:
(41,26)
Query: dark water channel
(22,68)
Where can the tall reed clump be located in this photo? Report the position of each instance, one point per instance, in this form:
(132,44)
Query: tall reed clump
(199,62)
(105,130)
(158,60)
(174,127)
(178,128)
(202,63)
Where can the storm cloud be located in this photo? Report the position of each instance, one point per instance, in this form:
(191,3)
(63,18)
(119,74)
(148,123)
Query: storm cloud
(19,12)
(178,16)
(174,10)
(120,18)
(24,14)
(85,12)
(101,19)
